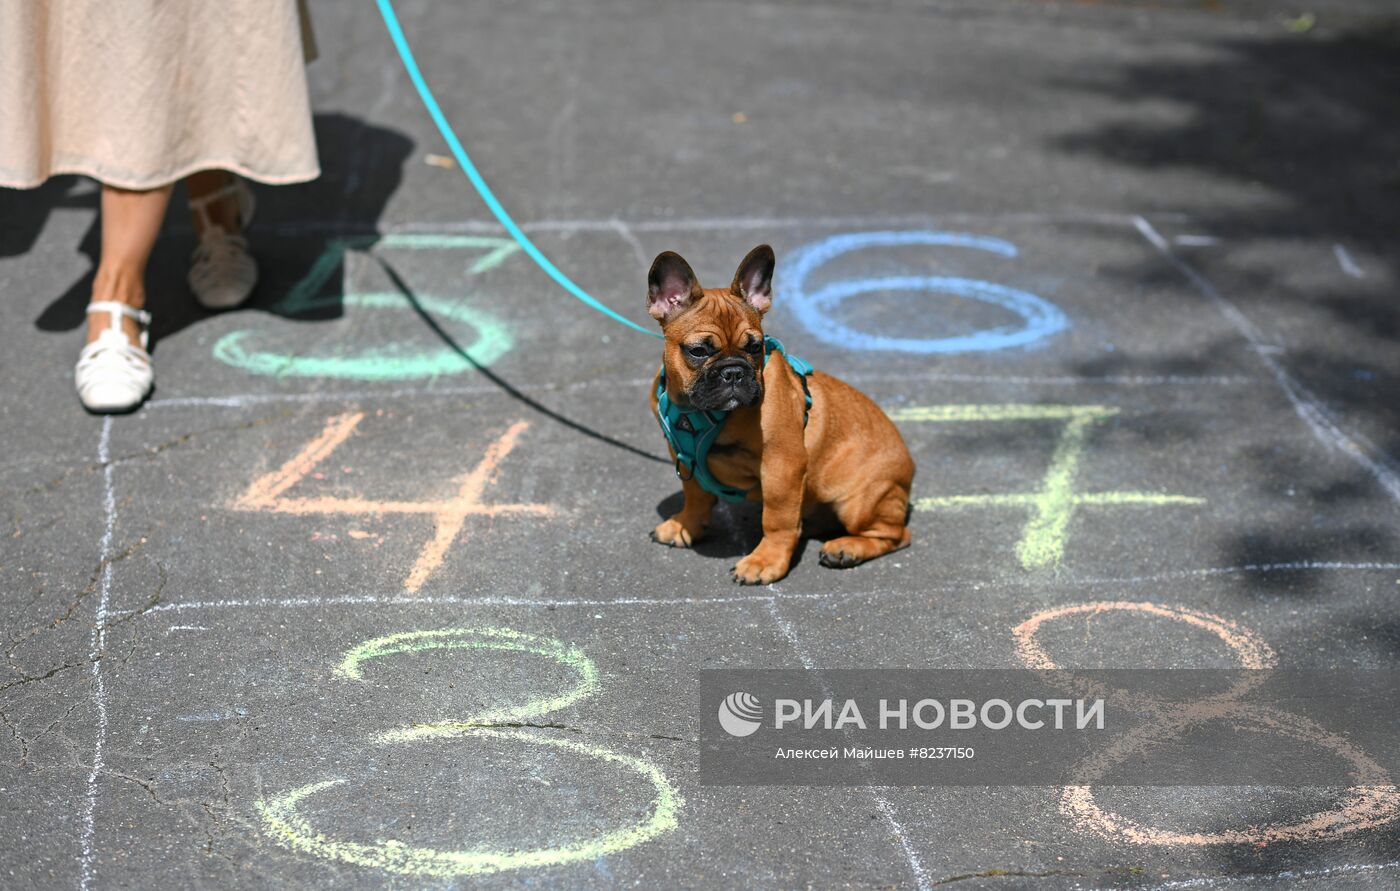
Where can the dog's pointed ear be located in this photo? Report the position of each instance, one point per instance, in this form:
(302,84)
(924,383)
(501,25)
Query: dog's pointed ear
(753,282)
(671,286)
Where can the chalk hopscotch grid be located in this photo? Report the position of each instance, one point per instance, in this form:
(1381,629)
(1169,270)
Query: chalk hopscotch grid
(1312,412)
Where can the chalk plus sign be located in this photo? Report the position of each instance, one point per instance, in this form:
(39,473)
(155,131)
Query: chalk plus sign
(449,515)
(1043,539)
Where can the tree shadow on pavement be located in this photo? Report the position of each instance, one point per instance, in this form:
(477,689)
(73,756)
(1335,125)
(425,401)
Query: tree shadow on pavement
(1310,123)
(1307,125)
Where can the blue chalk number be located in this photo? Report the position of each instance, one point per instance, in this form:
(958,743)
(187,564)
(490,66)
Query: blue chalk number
(1039,317)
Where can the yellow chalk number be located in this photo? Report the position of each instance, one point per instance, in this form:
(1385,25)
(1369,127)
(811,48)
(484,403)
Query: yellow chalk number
(281,819)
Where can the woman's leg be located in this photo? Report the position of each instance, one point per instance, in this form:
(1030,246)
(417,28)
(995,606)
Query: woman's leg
(130,223)
(222,272)
(222,213)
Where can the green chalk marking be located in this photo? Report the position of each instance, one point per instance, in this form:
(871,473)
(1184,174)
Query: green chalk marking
(302,297)
(284,823)
(503,639)
(1043,538)
(496,250)
(1007,412)
(282,820)
(388,361)
(418,641)
(1030,499)
(1043,541)
(1119,499)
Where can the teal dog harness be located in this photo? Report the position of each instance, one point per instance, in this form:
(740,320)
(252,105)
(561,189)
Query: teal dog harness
(691,432)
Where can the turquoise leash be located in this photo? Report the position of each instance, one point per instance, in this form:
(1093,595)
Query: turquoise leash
(391,21)
(692,445)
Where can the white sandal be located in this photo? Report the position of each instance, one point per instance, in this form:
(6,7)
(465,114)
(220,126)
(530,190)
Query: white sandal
(113,374)
(222,272)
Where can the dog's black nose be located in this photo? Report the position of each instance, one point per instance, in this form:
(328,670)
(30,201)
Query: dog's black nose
(733,374)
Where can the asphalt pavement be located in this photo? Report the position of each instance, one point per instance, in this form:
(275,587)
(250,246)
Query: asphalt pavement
(1124,273)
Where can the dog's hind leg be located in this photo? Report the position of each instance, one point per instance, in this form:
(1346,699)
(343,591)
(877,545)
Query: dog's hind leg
(876,519)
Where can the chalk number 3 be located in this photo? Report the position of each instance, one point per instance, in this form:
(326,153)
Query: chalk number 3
(282,820)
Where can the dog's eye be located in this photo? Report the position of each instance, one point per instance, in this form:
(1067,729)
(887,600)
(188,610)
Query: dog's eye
(698,351)
(753,346)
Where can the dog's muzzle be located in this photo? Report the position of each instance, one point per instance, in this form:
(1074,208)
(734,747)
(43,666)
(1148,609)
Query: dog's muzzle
(725,386)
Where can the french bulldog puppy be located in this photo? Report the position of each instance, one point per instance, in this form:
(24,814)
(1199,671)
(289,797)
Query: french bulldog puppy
(840,453)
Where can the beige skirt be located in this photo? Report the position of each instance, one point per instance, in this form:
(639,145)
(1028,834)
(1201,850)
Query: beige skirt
(141,93)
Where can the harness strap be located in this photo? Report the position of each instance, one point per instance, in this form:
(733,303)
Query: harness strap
(691,432)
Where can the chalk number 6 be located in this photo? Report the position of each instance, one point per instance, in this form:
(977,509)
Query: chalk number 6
(816,309)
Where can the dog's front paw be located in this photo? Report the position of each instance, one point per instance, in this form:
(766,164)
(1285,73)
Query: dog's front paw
(674,533)
(760,569)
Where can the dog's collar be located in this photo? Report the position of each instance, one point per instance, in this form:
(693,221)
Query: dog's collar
(691,432)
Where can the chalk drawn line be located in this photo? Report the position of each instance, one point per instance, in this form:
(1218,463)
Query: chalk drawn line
(713,224)
(915,863)
(97,646)
(1310,410)
(775,592)
(241,400)
(1347,262)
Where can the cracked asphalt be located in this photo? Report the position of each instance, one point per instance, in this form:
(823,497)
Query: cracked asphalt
(412,446)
